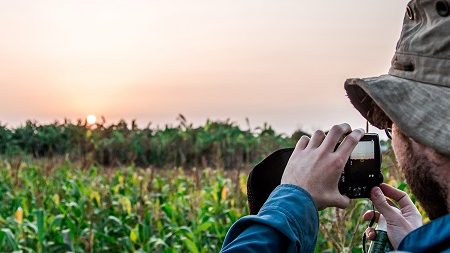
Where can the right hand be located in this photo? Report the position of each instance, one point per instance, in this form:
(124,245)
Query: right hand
(316,165)
(400,222)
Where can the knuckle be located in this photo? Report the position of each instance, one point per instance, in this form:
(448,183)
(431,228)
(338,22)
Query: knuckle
(360,131)
(300,142)
(304,138)
(382,201)
(368,230)
(337,129)
(346,127)
(319,133)
(340,161)
(352,139)
(379,201)
(321,152)
(404,196)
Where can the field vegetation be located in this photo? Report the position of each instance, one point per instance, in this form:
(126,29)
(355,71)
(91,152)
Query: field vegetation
(69,187)
(215,144)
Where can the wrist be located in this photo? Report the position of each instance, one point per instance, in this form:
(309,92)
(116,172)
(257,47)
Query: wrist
(304,190)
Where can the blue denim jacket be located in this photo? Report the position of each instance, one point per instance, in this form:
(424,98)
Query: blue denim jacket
(289,222)
(432,237)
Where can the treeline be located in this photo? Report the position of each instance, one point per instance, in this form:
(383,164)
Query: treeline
(216,143)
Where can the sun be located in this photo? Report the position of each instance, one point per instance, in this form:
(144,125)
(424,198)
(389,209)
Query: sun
(91,119)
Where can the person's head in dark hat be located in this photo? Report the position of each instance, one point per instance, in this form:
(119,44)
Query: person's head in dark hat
(414,100)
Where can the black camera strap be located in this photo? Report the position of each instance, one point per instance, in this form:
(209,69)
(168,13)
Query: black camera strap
(372,221)
(381,243)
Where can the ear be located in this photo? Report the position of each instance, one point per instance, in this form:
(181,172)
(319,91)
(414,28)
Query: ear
(400,144)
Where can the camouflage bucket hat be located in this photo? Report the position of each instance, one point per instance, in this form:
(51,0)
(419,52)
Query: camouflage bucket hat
(415,94)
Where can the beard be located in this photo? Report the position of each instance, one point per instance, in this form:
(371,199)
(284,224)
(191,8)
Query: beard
(421,174)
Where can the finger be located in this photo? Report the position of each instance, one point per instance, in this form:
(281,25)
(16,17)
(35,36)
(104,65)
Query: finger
(316,139)
(367,216)
(341,201)
(303,142)
(370,233)
(350,142)
(380,202)
(391,203)
(336,133)
(399,196)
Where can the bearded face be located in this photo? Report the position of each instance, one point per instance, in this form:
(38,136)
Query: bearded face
(426,174)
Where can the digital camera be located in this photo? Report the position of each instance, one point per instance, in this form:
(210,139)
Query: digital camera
(362,172)
(363,169)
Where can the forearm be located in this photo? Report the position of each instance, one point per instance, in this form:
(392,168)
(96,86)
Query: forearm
(288,222)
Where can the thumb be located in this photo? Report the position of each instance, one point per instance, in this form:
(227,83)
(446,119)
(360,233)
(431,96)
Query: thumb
(341,201)
(380,202)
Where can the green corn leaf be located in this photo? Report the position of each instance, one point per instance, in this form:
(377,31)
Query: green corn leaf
(9,237)
(203,227)
(190,245)
(41,229)
(115,220)
(167,209)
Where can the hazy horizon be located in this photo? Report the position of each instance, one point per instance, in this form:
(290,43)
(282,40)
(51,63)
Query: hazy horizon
(280,62)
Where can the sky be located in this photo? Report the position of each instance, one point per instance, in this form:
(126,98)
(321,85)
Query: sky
(282,62)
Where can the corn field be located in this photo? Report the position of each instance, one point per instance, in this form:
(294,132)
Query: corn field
(71,200)
(215,144)
(63,208)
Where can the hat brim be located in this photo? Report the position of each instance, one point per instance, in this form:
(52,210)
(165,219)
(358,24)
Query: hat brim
(265,177)
(420,110)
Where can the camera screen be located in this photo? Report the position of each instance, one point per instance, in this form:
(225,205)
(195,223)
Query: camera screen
(362,170)
(363,151)
(362,161)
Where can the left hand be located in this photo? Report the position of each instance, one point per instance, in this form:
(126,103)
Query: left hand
(316,167)
(400,222)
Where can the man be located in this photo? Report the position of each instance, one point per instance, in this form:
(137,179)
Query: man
(413,100)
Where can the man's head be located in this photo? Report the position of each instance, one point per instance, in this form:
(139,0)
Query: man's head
(414,98)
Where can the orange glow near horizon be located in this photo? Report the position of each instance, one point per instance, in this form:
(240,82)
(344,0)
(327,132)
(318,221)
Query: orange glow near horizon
(282,62)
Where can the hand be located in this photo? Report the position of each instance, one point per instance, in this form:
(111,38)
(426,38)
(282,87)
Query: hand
(316,167)
(399,221)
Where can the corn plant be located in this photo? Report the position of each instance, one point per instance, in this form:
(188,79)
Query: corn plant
(215,144)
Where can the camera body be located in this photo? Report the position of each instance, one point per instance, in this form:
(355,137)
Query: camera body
(361,173)
(363,169)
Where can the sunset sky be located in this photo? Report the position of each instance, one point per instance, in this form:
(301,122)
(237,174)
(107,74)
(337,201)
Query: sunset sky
(283,62)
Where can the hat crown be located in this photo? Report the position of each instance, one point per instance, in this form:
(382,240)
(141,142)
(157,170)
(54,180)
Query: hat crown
(426,29)
(416,93)
(423,51)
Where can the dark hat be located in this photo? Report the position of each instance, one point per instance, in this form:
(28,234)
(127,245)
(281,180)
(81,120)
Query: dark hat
(415,94)
(265,177)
